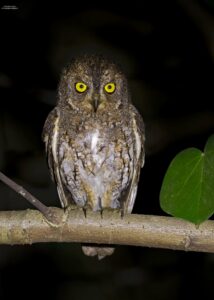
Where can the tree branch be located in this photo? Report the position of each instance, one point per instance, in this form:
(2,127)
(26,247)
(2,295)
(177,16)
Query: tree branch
(45,210)
(29,226)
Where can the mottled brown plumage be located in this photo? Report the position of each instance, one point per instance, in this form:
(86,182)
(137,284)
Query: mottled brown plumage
(95,140)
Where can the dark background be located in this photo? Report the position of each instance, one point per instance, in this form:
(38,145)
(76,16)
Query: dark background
(166,48)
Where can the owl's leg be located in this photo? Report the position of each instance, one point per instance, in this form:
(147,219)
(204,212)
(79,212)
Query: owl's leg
(122,211)
(118,211)
(85,208)
(118,207)
(112,211)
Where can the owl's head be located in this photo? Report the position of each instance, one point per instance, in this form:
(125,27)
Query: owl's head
(92,84)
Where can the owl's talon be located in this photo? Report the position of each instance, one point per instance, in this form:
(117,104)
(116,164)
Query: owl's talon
(84,211)
(121,213)
(113,211)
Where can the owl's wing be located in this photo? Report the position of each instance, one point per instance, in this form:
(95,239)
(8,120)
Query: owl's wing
(139,140)
(50,137)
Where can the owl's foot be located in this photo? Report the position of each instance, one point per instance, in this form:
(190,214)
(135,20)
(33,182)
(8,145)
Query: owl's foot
(85,208)
(121,213)
(103,211)
(113,211)
(84,211)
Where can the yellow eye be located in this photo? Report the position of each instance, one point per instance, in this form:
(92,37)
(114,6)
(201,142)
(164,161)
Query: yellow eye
(81,87)
(110,87)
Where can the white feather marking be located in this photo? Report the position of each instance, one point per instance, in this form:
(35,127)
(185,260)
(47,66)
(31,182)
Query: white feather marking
(138,140)
(54,140)
(133,188)
(94,141)
(55,157)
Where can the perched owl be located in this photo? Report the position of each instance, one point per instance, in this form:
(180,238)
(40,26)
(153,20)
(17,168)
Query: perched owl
(94,140)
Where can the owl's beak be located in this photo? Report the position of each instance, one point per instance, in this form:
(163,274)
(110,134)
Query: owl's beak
(96,102)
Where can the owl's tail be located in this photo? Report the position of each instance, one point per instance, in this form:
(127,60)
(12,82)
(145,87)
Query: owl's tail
(100,251)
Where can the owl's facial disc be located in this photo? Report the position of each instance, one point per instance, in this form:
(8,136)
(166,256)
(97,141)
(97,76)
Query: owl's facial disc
(93,84)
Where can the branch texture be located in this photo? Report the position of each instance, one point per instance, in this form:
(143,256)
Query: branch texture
(29,226)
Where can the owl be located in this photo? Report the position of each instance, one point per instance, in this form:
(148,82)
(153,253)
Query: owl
(94,140)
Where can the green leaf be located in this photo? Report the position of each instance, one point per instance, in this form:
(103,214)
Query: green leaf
(188,187)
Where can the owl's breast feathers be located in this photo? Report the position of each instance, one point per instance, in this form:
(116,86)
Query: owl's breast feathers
(95,161)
